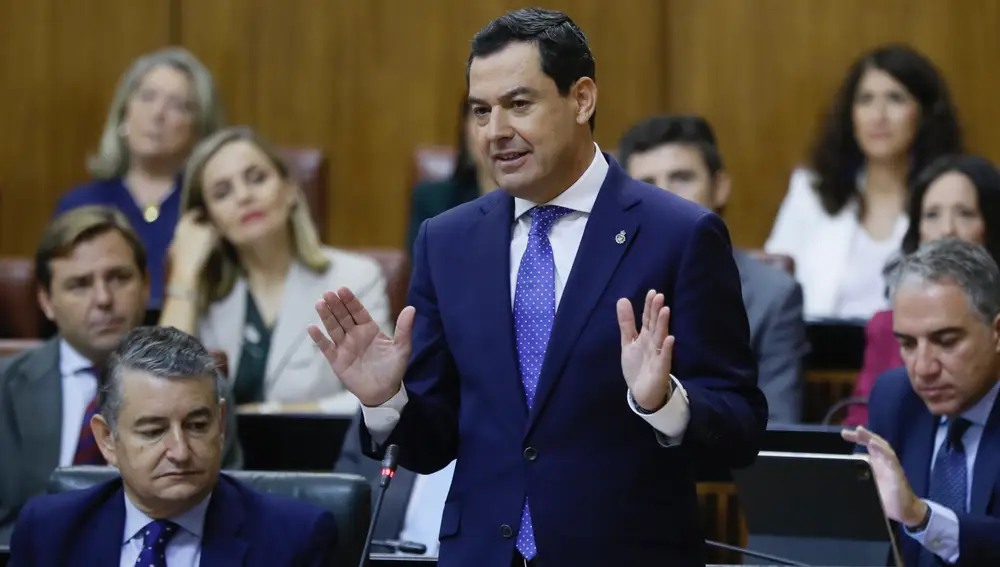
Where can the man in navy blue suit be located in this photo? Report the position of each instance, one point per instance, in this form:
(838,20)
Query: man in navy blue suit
(576,439)
(933,435)
(160,423)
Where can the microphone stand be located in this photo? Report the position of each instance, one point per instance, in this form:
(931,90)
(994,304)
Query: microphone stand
(389,464)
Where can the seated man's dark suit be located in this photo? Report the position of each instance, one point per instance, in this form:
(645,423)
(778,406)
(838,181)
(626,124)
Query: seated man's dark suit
(898,415)
(243,527)
(31,421)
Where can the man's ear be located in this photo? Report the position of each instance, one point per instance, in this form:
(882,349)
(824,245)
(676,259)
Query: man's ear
(105,439)
(222,417)
(584,92)
(996,334)
(720,190)
(45,302)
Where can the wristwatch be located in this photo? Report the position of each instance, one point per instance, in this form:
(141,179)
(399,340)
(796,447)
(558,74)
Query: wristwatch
(922,525)
(643,410)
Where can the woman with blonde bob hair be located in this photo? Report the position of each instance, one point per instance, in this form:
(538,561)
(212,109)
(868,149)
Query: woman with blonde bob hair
(246,267)
(164,104)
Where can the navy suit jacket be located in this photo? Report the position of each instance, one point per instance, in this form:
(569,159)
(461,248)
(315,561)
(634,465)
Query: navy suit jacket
(243,528)
(898,415)
(603,490)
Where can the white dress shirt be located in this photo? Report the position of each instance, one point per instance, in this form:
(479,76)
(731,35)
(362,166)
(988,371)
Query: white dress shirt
(79,386)
(422,521)
(941,535)
(565,235)
(183,550)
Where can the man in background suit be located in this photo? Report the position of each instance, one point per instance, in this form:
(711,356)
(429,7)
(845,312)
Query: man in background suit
(412,507)
(680,154)
(576,439)
(90,268)
(933,435)
(161,422)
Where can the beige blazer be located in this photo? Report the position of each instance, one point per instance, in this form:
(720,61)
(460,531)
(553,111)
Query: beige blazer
(819,243)
(296,370)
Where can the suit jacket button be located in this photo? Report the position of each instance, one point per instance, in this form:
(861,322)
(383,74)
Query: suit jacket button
(506,532)
(530,454)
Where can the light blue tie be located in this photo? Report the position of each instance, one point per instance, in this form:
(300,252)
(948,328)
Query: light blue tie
(949,479)
(534,312)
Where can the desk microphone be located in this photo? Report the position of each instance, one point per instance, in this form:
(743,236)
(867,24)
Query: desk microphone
(755,554)
(389,464)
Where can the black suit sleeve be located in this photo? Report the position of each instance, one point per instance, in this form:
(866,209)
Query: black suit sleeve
(712,355)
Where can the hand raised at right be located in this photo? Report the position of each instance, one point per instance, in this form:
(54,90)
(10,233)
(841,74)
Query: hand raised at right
(194,240)
(368,362)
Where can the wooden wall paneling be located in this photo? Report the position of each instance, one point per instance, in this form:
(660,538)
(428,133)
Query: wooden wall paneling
(61,61)
(370,81)
(765,71)
(221,34)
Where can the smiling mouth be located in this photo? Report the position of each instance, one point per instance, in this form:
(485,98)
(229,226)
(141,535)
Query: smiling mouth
(509,156)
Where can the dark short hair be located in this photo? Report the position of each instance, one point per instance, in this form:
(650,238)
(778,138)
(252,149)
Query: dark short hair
(687,129)
(985,177)
(836,155)
(162,352)
(562,47)
(77,226)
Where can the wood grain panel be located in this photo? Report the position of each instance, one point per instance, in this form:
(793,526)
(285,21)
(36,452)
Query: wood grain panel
(368,82)
(60,61)
(221,34)
(763,71)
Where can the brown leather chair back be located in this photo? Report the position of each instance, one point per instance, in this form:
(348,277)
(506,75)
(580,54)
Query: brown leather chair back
(20,316)
(13,346)
(309,167)
(433,163)
(396,268)
(780,261)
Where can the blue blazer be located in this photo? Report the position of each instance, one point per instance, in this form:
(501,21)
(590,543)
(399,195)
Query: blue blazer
(898,415)
(603,490)
(243,528)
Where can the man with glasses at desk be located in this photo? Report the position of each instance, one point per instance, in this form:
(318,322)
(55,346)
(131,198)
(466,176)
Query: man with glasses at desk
(933,432)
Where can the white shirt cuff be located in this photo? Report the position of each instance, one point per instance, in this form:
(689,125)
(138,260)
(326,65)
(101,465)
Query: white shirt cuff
(941,534)
(672,419)
(381,420)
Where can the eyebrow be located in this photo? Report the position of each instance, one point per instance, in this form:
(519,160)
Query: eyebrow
(505,97)
(156,420)
(934,333)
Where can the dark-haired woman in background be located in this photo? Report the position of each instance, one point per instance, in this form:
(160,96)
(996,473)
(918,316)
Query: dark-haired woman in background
(955,196)
(467,182)
(843,219)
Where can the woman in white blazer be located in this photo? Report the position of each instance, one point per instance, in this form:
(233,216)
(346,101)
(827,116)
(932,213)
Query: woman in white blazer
(246,269)
(845,217)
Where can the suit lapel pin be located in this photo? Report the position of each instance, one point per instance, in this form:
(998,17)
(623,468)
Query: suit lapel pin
(620,237)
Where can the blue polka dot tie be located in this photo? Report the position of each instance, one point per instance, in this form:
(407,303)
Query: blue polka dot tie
(155,537)
(534,312)
(949,479)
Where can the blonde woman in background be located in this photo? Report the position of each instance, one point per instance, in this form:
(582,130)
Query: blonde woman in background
(164,104)
(246,268)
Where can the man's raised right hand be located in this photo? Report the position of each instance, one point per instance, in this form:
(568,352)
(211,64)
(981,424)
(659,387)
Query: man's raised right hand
(368,362)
